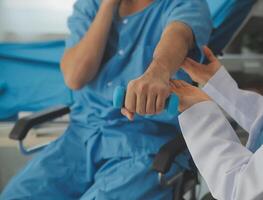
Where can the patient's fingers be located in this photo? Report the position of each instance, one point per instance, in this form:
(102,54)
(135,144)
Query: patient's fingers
(160,104)
(151,104)
(128,114)
(209,54)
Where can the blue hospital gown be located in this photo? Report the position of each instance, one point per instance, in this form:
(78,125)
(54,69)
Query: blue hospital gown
(102,155)
(129,52)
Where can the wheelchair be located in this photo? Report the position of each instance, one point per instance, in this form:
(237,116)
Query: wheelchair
(225,26)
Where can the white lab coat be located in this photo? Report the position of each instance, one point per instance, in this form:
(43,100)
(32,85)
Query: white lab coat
(231,171)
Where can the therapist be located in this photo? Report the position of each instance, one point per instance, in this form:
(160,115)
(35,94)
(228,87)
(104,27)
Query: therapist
(102,155)
(232,171)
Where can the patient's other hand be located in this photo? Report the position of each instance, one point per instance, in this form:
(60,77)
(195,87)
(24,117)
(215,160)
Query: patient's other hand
(201,73)
(188,94)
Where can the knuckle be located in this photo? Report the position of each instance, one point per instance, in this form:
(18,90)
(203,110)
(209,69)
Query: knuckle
(153,87)
(142,88)
(164,94)
(162,88)
(131,85)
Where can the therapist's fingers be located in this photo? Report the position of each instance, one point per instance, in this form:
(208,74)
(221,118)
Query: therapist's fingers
(188,94)
(189,63)
(194,69)
(178,91)
(175,83)
(187,66)
(128,114)
(209,54)
(200,73)
(178,83)
(179,87)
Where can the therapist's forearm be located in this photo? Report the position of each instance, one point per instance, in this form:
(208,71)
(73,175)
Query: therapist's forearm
(81,63)
(177,39)
(245,107)
(215,148)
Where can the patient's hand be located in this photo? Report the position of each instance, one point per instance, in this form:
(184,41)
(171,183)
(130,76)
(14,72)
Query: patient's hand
(202,73)
(188,94)
(147,94)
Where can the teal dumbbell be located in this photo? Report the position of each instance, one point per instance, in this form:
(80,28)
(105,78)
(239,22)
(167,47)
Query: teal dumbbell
(171,105)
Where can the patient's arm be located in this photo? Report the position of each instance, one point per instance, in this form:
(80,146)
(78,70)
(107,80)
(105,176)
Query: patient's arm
(147,94)
(230,170)
(81,63)
(177,39)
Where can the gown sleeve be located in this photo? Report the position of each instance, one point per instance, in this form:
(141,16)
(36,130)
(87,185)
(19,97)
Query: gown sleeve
(84,12)
(195,14)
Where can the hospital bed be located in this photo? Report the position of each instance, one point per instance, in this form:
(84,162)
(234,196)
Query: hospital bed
(18,93)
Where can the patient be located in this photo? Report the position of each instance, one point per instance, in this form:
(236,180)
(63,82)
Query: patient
(231,171)
(139,44)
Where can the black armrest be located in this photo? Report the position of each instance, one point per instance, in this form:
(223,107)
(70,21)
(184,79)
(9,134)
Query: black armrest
(166,155)
(23,125)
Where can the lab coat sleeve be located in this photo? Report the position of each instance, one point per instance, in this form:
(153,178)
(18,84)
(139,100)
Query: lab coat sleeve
(245,107)
(84,12)
(231,171)
(195,14)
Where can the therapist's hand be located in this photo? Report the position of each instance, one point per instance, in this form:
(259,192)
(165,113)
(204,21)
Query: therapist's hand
(147,94)
(188,94)
(201,73)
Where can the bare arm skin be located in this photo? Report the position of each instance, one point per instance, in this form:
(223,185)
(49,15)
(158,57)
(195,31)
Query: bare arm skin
(173,47)
(148,93)
(80,67)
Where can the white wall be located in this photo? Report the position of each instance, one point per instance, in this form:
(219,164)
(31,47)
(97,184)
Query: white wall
(258,10)
(25,19)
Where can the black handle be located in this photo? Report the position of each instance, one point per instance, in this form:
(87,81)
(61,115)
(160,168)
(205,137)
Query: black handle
(166,155)
(24,124)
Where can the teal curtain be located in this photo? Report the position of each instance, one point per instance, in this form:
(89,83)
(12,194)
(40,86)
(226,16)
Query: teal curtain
(30,77)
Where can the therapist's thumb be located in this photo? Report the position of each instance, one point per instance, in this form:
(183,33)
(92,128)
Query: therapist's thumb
(209,54)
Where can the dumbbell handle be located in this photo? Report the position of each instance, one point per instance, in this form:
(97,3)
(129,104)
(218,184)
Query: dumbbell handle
(171,105)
